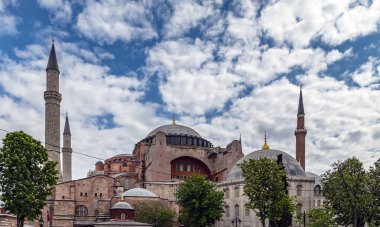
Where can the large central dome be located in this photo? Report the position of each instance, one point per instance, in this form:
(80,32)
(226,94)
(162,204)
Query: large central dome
(292,167)
(174,129)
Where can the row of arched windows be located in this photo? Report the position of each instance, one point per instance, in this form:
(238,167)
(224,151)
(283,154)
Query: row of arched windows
(237,211)
(236,192)
(183,140)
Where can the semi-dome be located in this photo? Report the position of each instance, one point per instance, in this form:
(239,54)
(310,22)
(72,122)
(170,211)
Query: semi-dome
(174,129)
(139,192)
(122,205)
(292,167)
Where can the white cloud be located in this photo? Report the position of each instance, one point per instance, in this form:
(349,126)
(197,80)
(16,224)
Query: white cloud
(356,21)
(368,74)
(298,22)
(115,20)
(190,81)
(8,21)
(60,9)
(186,15)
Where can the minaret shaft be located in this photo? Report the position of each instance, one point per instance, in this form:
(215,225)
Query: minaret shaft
(52,111)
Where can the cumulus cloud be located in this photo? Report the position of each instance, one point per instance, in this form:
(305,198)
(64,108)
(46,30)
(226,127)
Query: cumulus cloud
(186,15)
(115,20)
(368,74)
(60,10)
(8,21)
(297,22)
(357,21)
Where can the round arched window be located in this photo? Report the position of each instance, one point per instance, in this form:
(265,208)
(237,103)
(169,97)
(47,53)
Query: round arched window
(81,210)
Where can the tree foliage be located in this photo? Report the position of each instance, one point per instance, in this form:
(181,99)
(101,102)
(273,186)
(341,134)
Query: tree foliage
(320,217)
(154,212)
(201,203)
(374,175)
(264,188)
(26,176)
(347,191)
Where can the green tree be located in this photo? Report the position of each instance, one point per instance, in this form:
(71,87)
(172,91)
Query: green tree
(374,175)
(347,192)
(201,203)
(264,187)
(154,212)
(26,176)
(320,217)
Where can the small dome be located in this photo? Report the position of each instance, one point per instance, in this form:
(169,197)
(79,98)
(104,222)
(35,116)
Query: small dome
(292,167)
(174,129)
(139,192)
(122,206)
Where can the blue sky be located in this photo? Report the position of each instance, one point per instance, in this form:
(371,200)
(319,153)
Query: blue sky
(224,68)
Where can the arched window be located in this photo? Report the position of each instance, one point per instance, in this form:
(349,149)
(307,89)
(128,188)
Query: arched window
(81,210)
(237,210)
(317,190)
(227,211)
(237,192)
(299,190)
(227,193)
(122,216)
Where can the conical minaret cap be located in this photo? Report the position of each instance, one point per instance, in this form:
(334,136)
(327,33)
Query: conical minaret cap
(66,130)
(300,104)
(52,63)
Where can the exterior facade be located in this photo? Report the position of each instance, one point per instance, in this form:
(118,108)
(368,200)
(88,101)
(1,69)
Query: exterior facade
(154,169)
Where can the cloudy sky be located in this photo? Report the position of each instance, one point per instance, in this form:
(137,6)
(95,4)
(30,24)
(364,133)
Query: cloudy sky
(223,68)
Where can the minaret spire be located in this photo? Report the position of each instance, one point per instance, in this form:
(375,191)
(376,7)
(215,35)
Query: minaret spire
(66,152)
(52,63)
(300,132)
(67,126)
(300,103)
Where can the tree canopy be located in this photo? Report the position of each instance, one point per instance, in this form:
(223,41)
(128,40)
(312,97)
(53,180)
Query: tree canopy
(26,176)
(264,187)
(201,204)
(347,191)
(319,217)
(154,212)
(374,175)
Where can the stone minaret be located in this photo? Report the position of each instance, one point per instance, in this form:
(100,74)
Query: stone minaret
(52,111)
(66,152)
(300,133)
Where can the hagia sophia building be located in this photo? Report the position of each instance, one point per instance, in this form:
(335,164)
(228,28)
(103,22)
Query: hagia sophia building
(154,169)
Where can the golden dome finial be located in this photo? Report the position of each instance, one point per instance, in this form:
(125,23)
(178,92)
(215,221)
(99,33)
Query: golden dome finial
(265,146)
(173,120)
